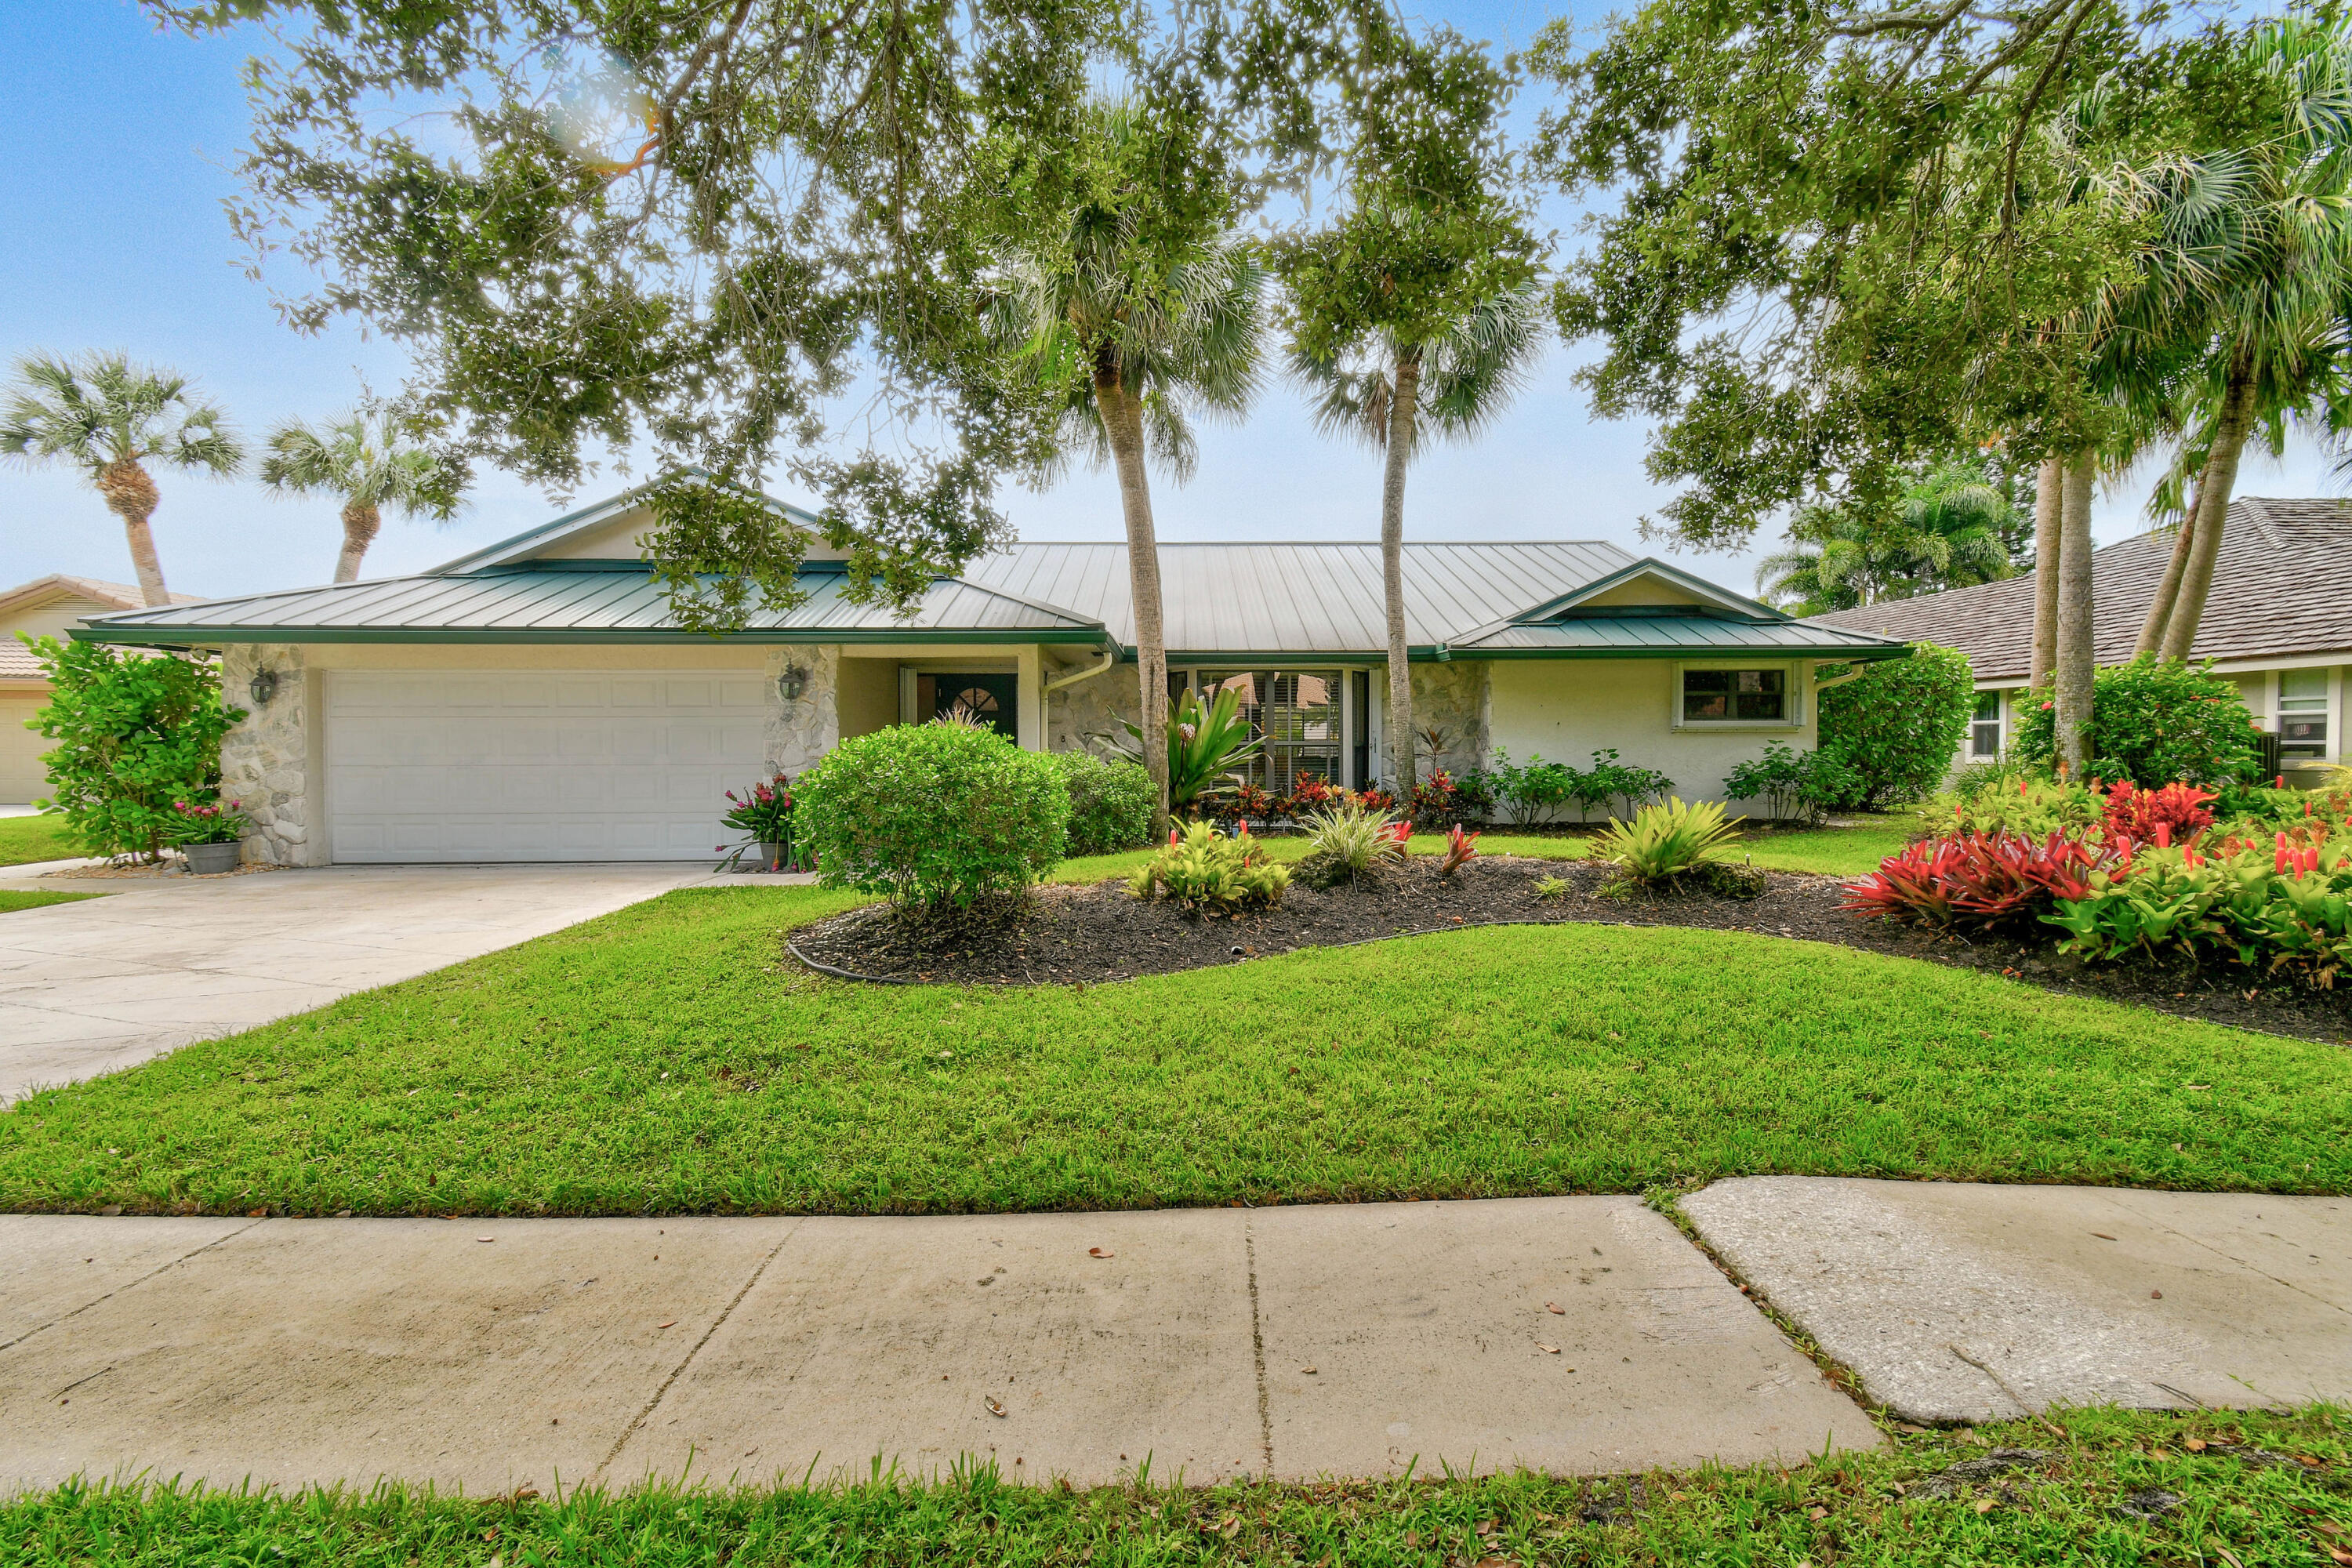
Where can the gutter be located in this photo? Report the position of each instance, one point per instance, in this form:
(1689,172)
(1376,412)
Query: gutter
(1110,657)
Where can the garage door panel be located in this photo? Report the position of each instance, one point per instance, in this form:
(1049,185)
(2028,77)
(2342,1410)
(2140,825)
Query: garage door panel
(492,765)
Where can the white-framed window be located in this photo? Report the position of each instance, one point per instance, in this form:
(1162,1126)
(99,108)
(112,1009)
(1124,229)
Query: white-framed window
(1984,730)
(1737,696)
(1300,716)
(2302,713)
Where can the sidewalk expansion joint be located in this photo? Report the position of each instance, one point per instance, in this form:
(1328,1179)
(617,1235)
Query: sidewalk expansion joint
(1258,1354)
(132,1285)
(678,1371)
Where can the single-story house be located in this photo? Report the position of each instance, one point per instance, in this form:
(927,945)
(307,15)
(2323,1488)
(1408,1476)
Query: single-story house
(534,701)
(2278,622)
(44,608)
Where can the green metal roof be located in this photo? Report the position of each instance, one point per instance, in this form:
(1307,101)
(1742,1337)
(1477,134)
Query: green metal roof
(1643,633)
(576,602)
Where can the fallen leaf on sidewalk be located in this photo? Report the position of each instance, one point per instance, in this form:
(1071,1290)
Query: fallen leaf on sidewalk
(994,1408)
(1307,1371)
(486,1238)
(1548,1350)
(671,1324)
(2103,1236)
(1556,1308)
(1100,1252)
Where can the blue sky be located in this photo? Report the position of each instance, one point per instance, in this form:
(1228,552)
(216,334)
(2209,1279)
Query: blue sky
(117,239)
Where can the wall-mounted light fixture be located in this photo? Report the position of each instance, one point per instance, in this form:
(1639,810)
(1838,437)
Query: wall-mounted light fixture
(791,683)
(263,686)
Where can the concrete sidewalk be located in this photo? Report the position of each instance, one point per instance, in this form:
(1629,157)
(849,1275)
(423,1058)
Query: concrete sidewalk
(1566,1334)
(1294,1342)
(91,986)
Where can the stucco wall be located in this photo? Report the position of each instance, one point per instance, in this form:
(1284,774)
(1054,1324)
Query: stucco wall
(869,695)
(1564,710)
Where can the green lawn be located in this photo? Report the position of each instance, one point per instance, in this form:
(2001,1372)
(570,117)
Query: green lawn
(1843,1509)
(668,1058)
(25,840)
(10,900)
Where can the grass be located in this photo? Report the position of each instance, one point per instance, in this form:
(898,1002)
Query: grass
(1843,1509)
(26,840)
(668,1058)
(1825,851)
(12,900)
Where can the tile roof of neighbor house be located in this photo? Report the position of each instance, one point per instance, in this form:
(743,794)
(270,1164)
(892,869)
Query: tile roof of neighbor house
(17,660)
(2282,588)
(1222,601)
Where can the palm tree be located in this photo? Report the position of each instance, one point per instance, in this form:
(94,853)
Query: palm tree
(372,464)
(2255,261)
(110,417)
(1140,312)
(1949,531)
(1392,386)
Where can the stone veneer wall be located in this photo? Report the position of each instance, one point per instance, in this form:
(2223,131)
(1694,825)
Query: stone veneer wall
(1092,706)
(265,759)
(799,732)
(1454,698)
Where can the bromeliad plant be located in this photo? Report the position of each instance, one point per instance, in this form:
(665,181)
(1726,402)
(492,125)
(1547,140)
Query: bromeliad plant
(2284,911)
(207,823)
(1212,872)
(764,815)
(1461,848)
(1351,842)
(1664,842)
(1206,748)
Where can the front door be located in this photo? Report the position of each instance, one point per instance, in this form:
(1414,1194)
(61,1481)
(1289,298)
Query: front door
(989,700)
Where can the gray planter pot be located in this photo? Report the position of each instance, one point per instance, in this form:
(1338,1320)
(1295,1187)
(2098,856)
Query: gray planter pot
(771,857)
(212,859)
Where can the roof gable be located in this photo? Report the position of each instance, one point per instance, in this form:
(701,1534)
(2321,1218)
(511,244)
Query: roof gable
(608,529)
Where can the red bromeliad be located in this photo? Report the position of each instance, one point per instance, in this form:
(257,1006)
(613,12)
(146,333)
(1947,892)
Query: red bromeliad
(1460,849)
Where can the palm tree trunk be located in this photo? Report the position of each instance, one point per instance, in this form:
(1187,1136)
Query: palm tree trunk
(1122,417)
(361,521)
(1404,406)
(2214,486)
(131,495)
(2075,660)
(2049,487)
(2168,587)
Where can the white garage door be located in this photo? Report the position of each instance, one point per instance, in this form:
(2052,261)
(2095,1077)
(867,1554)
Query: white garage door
(526,765)
(22,777)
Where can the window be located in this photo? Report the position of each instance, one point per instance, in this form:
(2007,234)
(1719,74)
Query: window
(1296,712)
(1736,697)
(1984,731)
(2302,713)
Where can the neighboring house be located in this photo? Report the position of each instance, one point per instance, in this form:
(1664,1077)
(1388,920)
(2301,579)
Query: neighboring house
(2278,622)
(534,701)
(48,606)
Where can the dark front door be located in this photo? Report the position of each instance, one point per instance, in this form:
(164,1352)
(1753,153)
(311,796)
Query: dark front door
(987,700)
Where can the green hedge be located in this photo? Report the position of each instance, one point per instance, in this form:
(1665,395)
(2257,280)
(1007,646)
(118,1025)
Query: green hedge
(1110,803)
(931,814)
(1897,728)
(136,734)
(2153,722)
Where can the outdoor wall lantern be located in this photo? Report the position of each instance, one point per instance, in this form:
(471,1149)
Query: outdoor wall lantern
(791,683)
(264,686)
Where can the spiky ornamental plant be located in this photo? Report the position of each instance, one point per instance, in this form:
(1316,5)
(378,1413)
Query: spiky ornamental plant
(1417,314)
(111,418)
(371,461)
(1138,308)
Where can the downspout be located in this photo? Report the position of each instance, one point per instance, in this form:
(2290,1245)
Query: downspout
(1110,657)
(1854,674)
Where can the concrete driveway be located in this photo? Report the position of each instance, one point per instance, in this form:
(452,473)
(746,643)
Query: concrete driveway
(91,986)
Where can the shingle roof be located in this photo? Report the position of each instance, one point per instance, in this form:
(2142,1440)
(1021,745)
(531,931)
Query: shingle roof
(2281,587)
(17,660)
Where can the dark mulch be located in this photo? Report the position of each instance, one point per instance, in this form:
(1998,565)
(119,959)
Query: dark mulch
(1064,935)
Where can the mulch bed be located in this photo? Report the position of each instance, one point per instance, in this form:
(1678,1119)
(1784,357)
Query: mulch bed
(1083,935)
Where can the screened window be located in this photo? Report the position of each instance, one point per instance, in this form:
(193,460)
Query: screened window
(2302,713)
(1734,696)
(1984,731)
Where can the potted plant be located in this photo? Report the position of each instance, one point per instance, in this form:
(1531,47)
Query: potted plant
(210,837)
(764,815)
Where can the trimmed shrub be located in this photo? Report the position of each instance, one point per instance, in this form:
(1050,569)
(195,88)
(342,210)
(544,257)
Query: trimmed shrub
(1790,783)
(932,814)
(2154,722)
(1897,727)
(1110,803)
(138,735)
